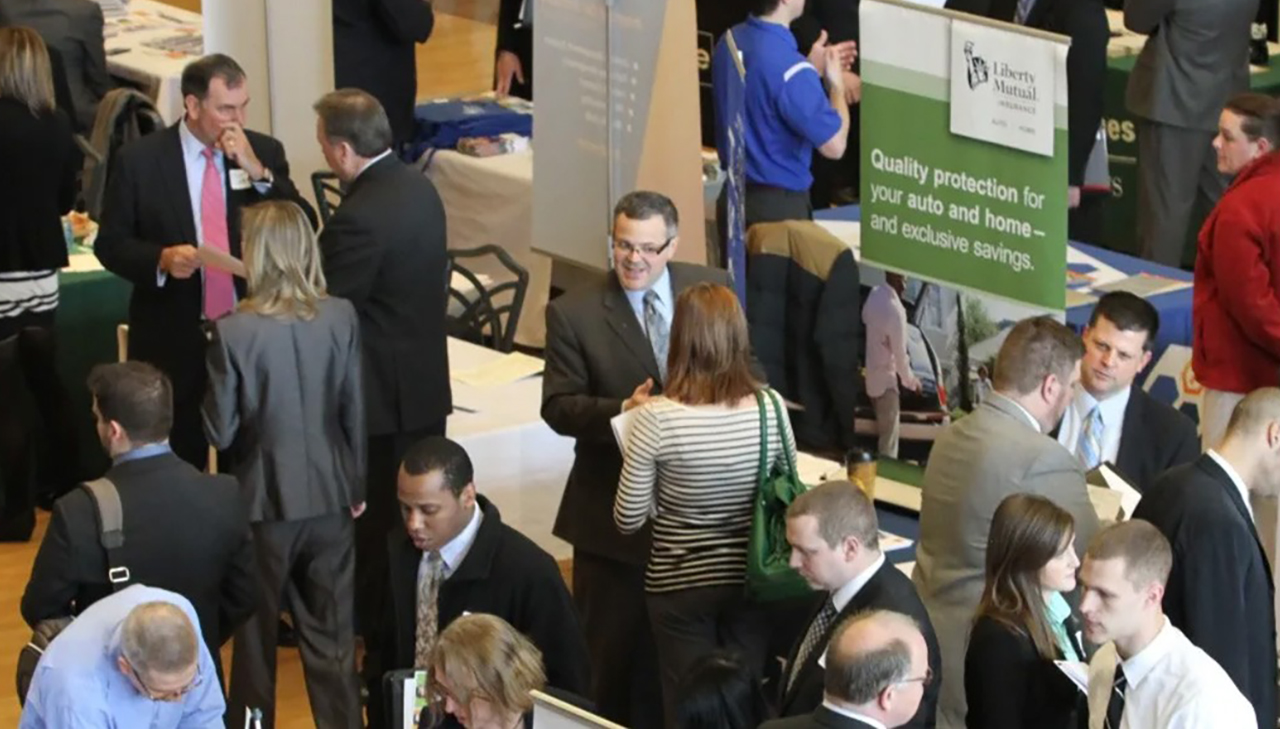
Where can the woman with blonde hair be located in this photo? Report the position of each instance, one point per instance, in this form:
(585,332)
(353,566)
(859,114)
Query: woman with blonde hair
(691,464)
(286,399)
(482,673)
(38,162)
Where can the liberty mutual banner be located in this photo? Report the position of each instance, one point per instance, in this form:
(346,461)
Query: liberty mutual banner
(1002,87)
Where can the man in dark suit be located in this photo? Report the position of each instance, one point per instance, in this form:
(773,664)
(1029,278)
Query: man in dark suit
(161,219)
(384,251)
(876,676)
(454,545)
(373,50)
(72,28)
(1113,420)
(513,57)
(212,565)
(835,545)
(606,353)
(1220,592)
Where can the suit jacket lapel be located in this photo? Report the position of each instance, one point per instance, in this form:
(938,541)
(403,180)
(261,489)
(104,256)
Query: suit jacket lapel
(622,319)
(173,176)
(404,594)
(787,695)
(1212,469)
(1130,451)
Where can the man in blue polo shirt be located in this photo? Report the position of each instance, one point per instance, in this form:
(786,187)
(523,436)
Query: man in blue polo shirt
(786,112)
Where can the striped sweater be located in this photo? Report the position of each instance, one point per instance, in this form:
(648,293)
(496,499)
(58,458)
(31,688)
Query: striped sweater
(694,470)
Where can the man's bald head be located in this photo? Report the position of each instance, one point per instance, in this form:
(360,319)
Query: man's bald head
(1252,415)
(1252,441)
(878,663)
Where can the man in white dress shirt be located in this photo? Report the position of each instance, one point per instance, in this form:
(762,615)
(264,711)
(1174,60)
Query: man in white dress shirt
(888,362)
(1162,680)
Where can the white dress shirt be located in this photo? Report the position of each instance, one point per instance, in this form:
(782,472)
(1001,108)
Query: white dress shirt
(371,163)
(853,715)
(841,597)
(1235,479)
(666,303)
(1172,684)
(1112,410)
(885,321)
(456,550)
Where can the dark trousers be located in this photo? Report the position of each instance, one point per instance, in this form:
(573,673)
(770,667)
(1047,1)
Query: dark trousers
(1178,184)
(379,518)
(761,204)
(311,562)
(624,667)
(690,624)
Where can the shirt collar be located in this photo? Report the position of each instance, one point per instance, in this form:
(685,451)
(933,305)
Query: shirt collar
(453,553)
(192,148)
(1235,478)
(1112,408)
(1136,667)
(850,713)
(840,598)
(779,30)
(1025,413)
(371,163)
(662,287)
(144,451)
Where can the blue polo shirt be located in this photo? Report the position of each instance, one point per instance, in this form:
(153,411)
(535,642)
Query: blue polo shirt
(786,112)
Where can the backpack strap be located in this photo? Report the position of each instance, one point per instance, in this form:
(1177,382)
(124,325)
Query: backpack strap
(106,500)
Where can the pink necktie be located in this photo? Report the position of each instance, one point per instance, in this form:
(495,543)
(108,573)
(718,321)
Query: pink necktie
(219,290)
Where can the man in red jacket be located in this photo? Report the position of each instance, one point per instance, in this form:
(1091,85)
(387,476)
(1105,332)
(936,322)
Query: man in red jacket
(1236,314)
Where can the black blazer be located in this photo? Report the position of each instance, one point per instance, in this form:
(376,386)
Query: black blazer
(1085,21)
(596,356)
(1220,591)
(184,531)
(1008,685)
(38,156)
(148,208)
(1153,438)
(888,589)
(516,37)
(384,251)
(504,574)
(819,718)
(373,50)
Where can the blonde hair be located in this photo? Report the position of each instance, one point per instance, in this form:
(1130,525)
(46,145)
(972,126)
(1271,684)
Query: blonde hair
(282,262)
(483,657)
(25,72)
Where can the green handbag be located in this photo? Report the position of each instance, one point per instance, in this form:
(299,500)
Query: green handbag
(769,573)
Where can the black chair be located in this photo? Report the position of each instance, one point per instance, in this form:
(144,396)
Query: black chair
(483,320)
(17,454)
(328,194)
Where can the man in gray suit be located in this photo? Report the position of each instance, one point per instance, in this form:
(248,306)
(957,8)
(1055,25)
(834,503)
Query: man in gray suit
(606,352)
(1001,448)
(74,29)
(1195,58)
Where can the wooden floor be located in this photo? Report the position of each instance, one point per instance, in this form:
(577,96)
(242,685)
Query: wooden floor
(457,60)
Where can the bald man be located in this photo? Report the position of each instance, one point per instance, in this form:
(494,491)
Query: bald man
(877,667)
(1220,591)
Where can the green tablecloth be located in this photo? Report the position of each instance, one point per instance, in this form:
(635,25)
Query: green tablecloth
(91,305)
(1120,233)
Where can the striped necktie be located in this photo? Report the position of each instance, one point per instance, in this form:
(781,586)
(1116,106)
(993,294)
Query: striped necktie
(428,609)
(1023,10)
(1115,706)
(1090,449)
(656,329)
(817,631)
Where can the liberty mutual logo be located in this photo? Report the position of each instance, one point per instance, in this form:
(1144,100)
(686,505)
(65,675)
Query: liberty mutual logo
(976,66)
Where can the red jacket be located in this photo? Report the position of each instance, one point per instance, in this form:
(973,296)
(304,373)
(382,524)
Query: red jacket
(1236,315)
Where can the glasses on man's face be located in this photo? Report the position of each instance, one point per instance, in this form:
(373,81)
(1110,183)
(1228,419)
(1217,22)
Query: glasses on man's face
(171,697)
(924,680)
(646,250)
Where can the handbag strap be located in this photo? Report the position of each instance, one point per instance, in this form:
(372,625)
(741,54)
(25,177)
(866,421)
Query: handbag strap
(106,501)
(763,472)
(782,440)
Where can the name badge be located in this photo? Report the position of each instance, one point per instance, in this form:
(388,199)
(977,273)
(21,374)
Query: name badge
(240,180)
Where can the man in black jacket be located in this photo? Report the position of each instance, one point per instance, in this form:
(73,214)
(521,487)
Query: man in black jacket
(212,565)
(373,50)
(384,251)
(455,547)
(159,219)
(835,545)
(1220,592)
(513,57)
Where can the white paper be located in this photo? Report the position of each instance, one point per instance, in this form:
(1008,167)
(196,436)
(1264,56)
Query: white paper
(906,568)
(1003,87)
(893,542)
(1129,497)
(82,263)
(621,424)
(1077,671)
(505,370)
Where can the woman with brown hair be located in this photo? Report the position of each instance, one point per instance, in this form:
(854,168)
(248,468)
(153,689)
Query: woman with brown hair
(691,463)
(1024,623)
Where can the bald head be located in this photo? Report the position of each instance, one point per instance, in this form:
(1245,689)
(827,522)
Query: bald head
(1252,441)
(1254,413)
(877,663)
(159,642)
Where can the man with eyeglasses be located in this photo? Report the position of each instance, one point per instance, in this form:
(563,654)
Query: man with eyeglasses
(877,671)
(607,353)
(133,659)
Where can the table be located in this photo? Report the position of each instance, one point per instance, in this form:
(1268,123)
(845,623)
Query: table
(157,72)
(490,200)
(1168,377)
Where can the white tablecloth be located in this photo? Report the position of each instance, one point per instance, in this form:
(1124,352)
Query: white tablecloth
(158,72)
(490,200)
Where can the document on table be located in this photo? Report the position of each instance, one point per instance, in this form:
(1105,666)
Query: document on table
(1144,285)
(220,261)
(505,370)
(893,542)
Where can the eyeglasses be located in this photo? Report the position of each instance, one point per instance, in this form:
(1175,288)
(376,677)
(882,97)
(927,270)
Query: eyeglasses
(924,680)
(171,697)
(646,250)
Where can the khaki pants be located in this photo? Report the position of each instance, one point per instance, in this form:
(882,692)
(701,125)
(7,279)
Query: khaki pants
(888,421)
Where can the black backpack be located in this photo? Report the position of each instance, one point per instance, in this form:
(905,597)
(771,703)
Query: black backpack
(106,501)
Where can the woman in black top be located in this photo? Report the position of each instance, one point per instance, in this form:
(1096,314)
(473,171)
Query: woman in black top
(1024,624)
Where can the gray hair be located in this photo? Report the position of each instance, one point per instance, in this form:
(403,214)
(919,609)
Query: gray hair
(355,117)
(858,677)
(158,639)
(645,204)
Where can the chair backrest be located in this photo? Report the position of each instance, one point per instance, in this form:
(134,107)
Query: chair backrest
(483,320)
(124,115)
(328,194)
